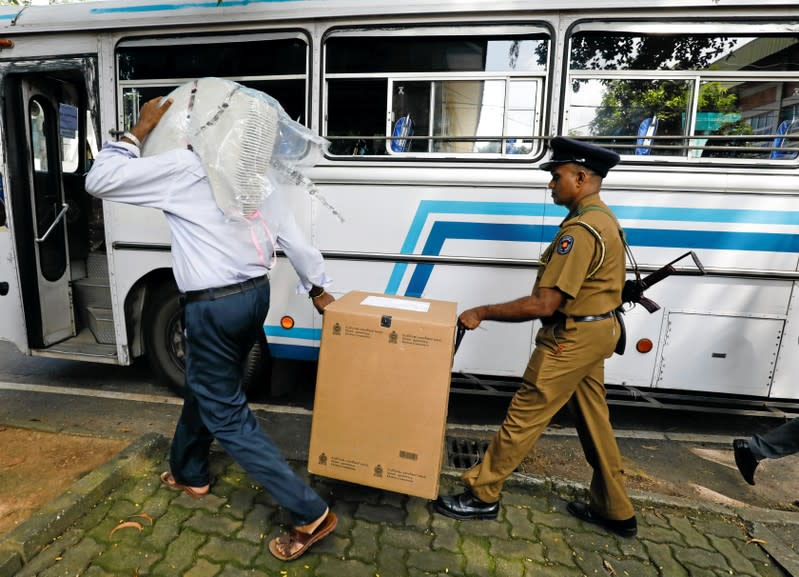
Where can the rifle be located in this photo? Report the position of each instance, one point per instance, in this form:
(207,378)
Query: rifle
(633,291)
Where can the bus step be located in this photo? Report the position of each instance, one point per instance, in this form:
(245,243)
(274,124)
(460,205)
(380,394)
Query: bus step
(91,292)
(97,266)
(82,346)
(101,323)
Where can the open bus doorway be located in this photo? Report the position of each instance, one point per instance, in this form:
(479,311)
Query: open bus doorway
(59,288)
(33,104)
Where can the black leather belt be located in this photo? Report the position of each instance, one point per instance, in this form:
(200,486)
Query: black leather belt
(224,291)
(560,318)
(589,318)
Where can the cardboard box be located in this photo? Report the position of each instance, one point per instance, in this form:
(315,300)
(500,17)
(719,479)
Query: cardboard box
(382,388)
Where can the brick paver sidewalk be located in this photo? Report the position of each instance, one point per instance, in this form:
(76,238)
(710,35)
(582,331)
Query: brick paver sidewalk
(380,534)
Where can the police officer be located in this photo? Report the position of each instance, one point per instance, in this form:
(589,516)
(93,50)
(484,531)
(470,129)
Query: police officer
(577,289)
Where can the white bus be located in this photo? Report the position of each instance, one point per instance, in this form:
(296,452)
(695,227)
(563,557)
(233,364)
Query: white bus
(438,114)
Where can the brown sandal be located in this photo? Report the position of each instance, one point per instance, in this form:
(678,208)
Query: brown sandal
(281,546)
(168,480)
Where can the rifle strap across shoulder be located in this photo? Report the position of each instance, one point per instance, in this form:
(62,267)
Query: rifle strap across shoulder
(599,240)
(627,249)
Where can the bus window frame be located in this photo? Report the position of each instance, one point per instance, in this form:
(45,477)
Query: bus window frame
(507,79)
(683,26)
(542,79)
(207,37)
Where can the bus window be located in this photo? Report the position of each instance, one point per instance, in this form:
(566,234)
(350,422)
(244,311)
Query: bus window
(620,107)
(273,63)
(38,137)
(411,93)
(684,95)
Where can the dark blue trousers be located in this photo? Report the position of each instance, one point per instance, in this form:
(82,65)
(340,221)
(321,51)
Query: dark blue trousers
(778,442)
(219,335)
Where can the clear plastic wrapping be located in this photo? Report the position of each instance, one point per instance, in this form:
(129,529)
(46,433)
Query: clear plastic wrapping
(249,146)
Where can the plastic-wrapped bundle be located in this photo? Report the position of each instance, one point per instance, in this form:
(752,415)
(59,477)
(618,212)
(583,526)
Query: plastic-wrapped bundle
(248,144)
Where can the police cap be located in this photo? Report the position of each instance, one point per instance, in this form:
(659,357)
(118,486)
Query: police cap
(565,150)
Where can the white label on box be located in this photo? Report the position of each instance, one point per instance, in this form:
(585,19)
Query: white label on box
(389,303)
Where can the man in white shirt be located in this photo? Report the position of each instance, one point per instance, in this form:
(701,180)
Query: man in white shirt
(225,284)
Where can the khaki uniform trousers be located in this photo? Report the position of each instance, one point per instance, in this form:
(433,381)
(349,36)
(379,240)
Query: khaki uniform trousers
(567,366)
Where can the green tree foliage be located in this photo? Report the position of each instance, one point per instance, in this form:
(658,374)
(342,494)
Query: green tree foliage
(626,102)
(600,51)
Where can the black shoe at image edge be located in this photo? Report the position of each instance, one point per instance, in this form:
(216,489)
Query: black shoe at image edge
(623,527)
(466,506)
(745,460)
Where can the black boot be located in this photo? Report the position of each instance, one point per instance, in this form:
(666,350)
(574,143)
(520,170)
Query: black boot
(623,527)
(745,460)
(466,506)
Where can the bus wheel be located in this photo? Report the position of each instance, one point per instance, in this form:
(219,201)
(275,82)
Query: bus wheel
(165,346)
(163,327)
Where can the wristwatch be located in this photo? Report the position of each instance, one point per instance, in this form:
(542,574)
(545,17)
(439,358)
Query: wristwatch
(316,292)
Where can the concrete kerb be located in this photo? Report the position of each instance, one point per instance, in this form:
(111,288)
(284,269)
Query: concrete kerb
(24,542)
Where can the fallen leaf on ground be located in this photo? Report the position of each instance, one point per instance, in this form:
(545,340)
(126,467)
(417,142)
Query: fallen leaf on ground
(125,524)
(608,567)
(144,516)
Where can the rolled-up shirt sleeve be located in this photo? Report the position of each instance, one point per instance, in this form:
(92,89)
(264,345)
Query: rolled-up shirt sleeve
(121,175)
(305,258)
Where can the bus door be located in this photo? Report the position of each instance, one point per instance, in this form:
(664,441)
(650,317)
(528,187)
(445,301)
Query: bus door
(12,327)
(39,110)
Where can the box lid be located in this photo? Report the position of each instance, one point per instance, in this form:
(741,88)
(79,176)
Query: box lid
(398,307)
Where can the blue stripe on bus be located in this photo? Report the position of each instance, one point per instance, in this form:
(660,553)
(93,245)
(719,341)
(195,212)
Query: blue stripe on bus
(296,352)
(443,231)
(428,207)
(167,7)
(305,333)
(693,239)
(636,237)
(728,215)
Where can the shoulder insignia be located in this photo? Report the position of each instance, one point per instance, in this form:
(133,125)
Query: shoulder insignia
(565,244)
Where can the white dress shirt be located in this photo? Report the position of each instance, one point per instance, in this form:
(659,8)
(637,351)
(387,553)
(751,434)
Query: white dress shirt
(208,249)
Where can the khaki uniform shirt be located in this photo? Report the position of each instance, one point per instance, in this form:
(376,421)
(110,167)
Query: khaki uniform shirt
(569,260)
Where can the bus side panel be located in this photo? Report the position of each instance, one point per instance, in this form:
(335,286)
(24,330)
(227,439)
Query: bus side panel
(723,332)
(785,385)
(13,326)
(301,342)
(450,220)
(139,239)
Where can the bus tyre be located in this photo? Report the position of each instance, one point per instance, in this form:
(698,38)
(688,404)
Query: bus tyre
(166,351)
(163,331)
